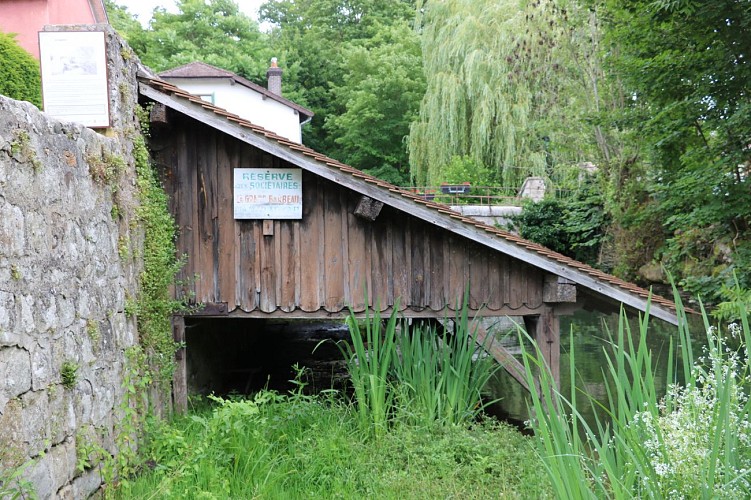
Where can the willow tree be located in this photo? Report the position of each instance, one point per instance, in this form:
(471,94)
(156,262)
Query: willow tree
(499,87)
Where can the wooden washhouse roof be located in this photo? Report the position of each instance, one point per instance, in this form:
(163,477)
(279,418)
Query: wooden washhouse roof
(591,280)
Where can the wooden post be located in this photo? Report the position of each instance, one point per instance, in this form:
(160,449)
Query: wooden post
(548,338)
(545,330)
(180,378)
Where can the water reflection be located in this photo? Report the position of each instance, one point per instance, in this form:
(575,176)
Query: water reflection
(589,330)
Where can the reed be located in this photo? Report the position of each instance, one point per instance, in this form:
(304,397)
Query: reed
(693,442)
(441,375)
(369,362)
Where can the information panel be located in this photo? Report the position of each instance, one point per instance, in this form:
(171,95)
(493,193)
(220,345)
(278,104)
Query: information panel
(268,193)
(74,76)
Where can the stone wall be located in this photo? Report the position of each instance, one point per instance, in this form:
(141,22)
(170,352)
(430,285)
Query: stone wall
(68,266)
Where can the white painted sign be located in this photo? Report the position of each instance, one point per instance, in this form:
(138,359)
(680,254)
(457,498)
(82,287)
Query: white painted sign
(74,76)
(268,193)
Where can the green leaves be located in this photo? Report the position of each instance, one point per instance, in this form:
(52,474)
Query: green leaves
(19,72)
(575,226)
(507,86)
(214,32)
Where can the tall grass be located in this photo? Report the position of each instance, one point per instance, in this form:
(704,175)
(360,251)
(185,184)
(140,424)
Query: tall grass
(297,446)
(420,373)
(440,375)
(693,442)
(369,362)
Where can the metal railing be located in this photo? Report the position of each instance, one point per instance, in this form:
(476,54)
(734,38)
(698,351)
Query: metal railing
(466,194)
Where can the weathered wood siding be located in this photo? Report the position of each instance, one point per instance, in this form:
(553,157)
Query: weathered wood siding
(329,260)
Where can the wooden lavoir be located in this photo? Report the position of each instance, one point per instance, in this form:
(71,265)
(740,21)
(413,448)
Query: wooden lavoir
(360,244)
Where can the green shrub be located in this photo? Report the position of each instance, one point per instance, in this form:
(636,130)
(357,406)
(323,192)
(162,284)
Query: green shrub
(574,226)
(19,72)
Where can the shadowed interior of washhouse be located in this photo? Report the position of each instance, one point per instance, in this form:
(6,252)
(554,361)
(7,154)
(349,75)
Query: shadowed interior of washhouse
(241,356)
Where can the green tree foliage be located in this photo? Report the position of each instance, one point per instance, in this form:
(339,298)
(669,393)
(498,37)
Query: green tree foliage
(685,65)
(380,94)
(19,72)
(574,226)
(502,87)
(329,50)
(212,31)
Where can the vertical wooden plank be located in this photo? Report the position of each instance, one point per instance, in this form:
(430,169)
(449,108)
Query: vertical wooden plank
(381,266)
(506,262)
(190,198)
(458,270)
(226,243)
(516,284)
(548,338)
(311,232)
(357,258)
(535,283)
(417,271)
(257,286)
(297,262)
(180,377)
(268,283)
(206,209)
(477,270)
(178,211)
(344,210)
(436,269)
(495,299)
(288,256)
(333,252)
(447,292)
(246,271)
(401,259)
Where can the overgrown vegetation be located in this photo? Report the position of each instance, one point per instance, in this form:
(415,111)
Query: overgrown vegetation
(416,374)
(106,167)
(693,442)
(297,446)
(154,305)
(22,150)
(574,225)
(19,72)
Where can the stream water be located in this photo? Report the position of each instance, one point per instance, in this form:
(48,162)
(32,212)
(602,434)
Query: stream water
(589,330)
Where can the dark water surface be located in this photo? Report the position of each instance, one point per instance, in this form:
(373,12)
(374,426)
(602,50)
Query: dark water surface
(589,330)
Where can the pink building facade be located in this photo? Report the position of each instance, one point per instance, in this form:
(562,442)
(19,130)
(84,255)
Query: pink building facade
(28,17)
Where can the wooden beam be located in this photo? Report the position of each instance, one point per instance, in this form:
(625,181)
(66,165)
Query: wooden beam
(545,329)
(557,289)
(432,216)
(507,360)
(158,115)
(219,310)
(368,208)
(180,378)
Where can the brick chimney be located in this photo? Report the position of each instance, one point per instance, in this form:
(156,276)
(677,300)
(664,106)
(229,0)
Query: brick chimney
(274,77)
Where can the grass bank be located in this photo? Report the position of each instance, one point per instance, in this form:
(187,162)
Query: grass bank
(297,446)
